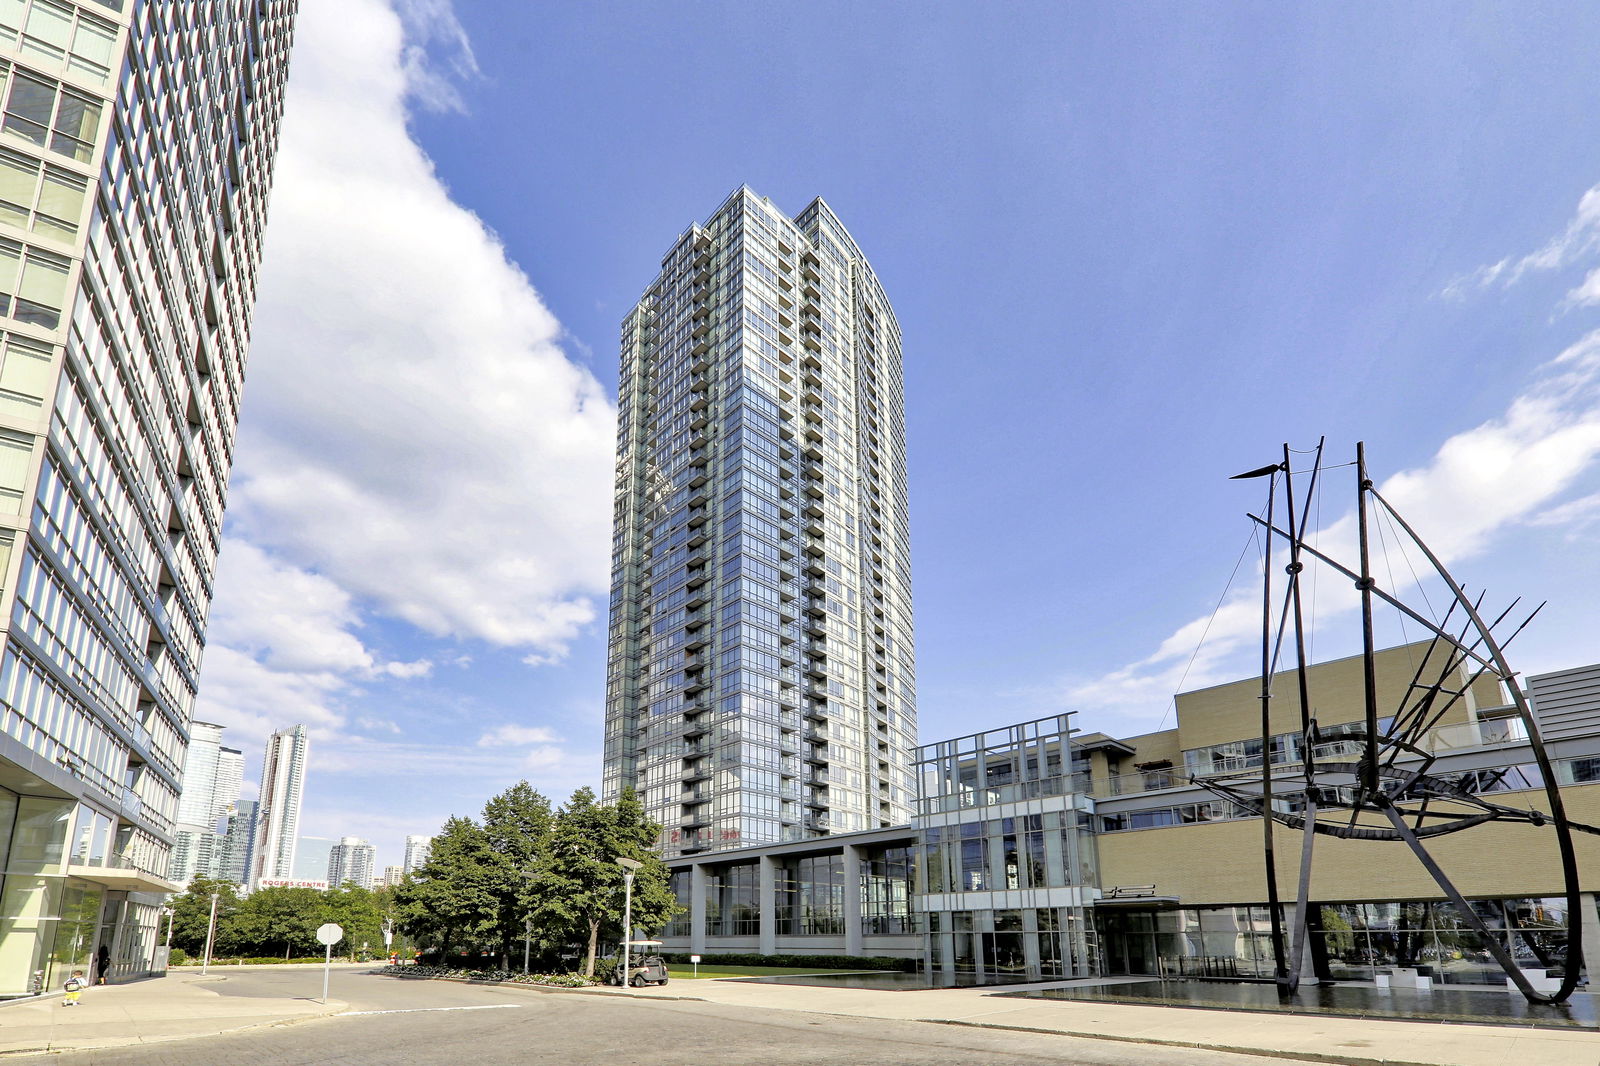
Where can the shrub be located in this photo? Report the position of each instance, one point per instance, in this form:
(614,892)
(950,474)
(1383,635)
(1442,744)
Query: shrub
(178,957)
(809,962)
(560,980)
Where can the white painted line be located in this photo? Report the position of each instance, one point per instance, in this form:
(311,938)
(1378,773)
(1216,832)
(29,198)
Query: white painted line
(425,1010)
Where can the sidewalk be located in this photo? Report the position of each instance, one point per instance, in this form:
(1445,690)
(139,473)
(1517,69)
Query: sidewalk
(1353,1041)
(143,1012)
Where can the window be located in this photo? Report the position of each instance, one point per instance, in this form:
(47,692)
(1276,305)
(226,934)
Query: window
(38,197)
(42,113)
(16,453)
(24,376)
(57,36)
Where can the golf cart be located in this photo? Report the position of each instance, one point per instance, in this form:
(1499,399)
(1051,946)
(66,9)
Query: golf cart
(643,969)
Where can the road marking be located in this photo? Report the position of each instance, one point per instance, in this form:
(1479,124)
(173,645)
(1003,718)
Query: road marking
(425,1010)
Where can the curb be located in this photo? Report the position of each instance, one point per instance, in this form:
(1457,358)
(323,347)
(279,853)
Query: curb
(1261,1052)
(333,1009)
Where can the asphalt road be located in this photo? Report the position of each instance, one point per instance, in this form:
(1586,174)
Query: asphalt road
(448,1023)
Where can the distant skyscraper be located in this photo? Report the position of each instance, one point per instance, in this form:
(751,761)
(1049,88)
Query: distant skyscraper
(352,859)
(137,142)
(760,672)
(417,851)
(393,875)
(211,778)
(283,779)
(311,858)
(233,855)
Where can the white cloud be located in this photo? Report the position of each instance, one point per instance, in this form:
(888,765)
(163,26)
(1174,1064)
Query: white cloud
(290,619)
(515,735)
(1588,292)
(433,35)
(1581,236)
(1580,512)
(414,433)
(415,444)
(1506,472)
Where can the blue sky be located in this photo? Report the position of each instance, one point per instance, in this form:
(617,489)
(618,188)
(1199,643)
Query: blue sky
(1132,248)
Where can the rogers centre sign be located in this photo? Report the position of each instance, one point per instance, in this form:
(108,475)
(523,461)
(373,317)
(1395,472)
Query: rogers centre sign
(285,882)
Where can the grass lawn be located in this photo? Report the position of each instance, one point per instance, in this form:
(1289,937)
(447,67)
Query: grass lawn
(685,971)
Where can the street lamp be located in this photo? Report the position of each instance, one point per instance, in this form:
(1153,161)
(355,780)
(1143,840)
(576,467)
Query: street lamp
(629,868)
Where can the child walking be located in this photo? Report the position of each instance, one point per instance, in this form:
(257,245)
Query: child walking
(74,986)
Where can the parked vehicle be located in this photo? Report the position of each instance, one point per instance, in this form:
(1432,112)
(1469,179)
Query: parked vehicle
(644,970)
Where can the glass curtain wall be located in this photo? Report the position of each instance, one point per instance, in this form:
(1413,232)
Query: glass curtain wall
(1006,846)
(1355,940)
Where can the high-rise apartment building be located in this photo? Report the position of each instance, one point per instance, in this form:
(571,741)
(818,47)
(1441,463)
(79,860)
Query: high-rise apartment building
(210,787)
(283,782)
(352,859)
(417,851)
(238,841)
(137,142)
(760,682)
(393,875)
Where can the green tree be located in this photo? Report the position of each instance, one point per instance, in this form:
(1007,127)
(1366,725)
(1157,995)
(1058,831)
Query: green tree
(275,921)
(517,828)
(356,911)
(581,885)
(191,912)
(452,901)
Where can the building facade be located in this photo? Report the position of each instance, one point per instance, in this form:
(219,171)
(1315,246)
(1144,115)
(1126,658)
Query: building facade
(353,860)
(283,781)
(761,677)
(1035,856)
(211,778)
(417,851)
(238,842)
(137,142)
(993,878)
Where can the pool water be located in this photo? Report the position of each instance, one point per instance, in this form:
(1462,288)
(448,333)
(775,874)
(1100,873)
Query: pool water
(1484,1006)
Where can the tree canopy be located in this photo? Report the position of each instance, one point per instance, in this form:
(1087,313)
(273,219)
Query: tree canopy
(487,883)
(523,869)
(276,921)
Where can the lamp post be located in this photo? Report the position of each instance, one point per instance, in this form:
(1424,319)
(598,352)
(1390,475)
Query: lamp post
(629,867)
(211,929)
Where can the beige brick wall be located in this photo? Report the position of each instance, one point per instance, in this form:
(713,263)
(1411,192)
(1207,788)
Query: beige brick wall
(1337,689)
(1221,862)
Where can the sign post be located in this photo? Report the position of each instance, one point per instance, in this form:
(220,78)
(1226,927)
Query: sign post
(696,960)
(328,935)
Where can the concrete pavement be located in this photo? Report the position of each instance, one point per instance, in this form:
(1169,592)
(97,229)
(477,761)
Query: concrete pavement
(183,1004)
(1316,1038)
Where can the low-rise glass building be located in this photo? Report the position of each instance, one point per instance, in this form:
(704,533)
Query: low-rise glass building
(1041,852)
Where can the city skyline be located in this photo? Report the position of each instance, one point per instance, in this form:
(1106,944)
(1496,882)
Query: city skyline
(1162,248)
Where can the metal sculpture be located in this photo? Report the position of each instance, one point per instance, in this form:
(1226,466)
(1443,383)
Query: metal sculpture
(1377,781)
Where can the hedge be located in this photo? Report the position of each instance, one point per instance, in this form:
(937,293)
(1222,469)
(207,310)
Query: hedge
(561,980)
(809,962)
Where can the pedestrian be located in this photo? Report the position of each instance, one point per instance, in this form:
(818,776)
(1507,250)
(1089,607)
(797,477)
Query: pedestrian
(102,964)
(74,987)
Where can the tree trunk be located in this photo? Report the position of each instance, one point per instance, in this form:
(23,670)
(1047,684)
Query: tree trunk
(594,948)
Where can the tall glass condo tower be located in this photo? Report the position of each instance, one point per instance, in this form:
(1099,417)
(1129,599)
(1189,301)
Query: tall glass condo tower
(137,141)
(761,677)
